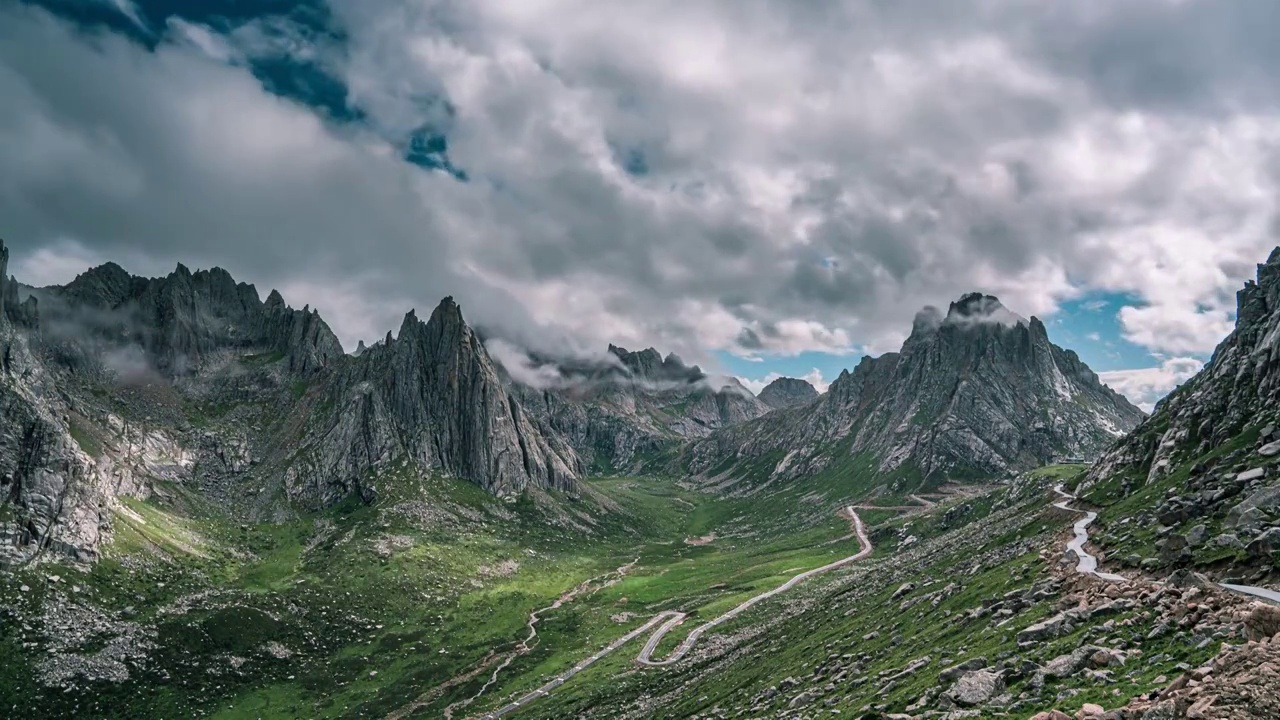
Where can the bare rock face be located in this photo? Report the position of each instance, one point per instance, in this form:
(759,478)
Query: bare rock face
(1238,388)
(786,392)
(234,397)
(430,397)
(977,392)
(49,500)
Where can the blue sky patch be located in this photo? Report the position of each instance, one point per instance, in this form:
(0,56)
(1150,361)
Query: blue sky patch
(299,79)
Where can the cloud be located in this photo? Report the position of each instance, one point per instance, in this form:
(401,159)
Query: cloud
(758,178)
(129,9)
(813,377)
(1145,386)
(524,369)
(1177,328)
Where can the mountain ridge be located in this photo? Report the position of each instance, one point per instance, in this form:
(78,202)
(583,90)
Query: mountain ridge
(977,392)
(120,385)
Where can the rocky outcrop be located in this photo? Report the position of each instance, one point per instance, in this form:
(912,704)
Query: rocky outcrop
(785,392)
(48,500)
(976,392)
(184,319)
(429,398)
(1238,389)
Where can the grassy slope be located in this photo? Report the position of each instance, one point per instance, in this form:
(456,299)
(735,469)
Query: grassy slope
(370,631)
(848,620)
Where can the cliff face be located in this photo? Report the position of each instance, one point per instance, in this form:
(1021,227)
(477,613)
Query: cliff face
(976,392)
(50,498)
(1238,389)
(430,396)
(121,385)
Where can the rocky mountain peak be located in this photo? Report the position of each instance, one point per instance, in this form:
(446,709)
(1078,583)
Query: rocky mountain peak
(448,312)
(979,392)
(184,318)
(978,308)
(786,392)
(22,313)
(105,286)
(433,396)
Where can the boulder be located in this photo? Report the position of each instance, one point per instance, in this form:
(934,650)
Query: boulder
(1228,540)
(1173,548)
(960,669)
(976,688)
(902,590)
(1071,663)
(1197,535)
(1265,544)
(1059,624)
(1250,475)
(1263,622)
(1246,519)
(805,698)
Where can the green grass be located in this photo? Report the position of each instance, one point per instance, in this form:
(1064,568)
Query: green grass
(1063,472)
(320,586)
(85,438)
(377,610)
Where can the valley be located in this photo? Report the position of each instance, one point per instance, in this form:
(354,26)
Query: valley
(253,523)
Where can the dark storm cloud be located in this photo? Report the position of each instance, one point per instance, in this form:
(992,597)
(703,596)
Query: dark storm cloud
(749,176)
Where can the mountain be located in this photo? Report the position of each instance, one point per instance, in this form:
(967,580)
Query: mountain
(183,320)
(1235,391)
(632,406)
(976,392)
(120,386)
(208,506)
(785,392)
(430,396)
(1207,459)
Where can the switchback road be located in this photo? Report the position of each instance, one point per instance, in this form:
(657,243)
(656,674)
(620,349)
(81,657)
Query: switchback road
(669,619)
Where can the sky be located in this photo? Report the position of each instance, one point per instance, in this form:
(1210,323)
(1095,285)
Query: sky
(762,186)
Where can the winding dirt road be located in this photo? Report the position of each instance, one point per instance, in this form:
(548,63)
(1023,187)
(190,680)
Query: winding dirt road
(667,620)
(1088,564)
(525,646)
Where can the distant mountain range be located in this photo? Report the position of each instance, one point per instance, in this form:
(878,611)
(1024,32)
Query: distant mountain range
(121,385)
